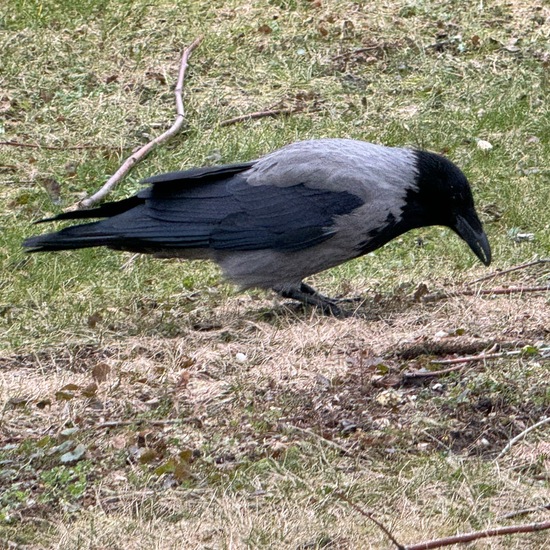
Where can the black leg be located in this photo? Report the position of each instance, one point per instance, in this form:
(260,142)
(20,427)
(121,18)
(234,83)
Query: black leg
(310,290)
(307,295)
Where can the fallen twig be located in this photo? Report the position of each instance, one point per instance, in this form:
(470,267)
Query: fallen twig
(458,363)
(435,296)
(476,535)
(510,270)
(407,376)
(127,264)
(118,423)
(455,539)
(318,436)
(454,346)
(482,356)
(133,495)
(374,47)
(55,147)
(368,515)
(261,114)
(524,512)
(522,435)
(143,151)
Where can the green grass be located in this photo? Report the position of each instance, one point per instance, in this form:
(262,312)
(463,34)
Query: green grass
(436,75)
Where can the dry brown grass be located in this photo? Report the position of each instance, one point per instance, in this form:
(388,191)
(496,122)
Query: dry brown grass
(269,434)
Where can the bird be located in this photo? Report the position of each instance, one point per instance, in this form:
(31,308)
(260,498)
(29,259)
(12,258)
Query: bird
(272,222)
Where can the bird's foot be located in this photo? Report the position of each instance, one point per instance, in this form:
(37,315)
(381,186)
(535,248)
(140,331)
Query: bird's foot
(353,300)
(310,290)
(308,295)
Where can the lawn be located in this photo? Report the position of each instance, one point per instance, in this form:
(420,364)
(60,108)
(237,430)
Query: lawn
(148,404)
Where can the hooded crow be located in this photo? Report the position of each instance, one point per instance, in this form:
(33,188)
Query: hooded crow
(271,222)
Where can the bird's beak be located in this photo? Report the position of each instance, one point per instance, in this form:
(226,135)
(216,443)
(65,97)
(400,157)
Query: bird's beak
(472,232)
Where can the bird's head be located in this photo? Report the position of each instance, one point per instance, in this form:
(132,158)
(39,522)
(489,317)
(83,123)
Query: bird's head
(444,197)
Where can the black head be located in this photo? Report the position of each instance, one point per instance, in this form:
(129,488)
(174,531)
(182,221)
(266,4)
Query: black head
(443,197)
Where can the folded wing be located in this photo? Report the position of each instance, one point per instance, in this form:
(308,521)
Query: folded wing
(208,208)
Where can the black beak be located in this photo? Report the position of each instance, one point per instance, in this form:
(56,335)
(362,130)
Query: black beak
(472,232)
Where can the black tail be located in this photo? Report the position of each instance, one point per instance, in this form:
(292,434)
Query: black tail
(82,236)
(107,210)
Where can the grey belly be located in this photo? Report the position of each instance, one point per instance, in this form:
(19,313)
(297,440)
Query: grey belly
(269,268)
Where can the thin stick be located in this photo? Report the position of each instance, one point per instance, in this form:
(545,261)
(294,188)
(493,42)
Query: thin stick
(524,512)
(431,373)
(127,264)
(459,363)
(448,541)
(522,435)
(55,147)
(143,151)
(260,114)
(512,269)
(476,535)
(479,357)
(117,423)
(441,348)
(513,290)
(482,356)
(368,515)
(317,436)
(355,52)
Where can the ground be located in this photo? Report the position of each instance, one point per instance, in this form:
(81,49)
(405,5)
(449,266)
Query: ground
(145,403)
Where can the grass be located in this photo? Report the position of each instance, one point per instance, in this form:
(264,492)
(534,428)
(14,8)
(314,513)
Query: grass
(234,409)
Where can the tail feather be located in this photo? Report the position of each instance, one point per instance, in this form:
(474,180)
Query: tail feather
(70,238)
(101,233)
(107,210)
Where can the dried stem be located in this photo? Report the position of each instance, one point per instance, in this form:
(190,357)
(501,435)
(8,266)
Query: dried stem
(435,296)
(355,52)
(476,535)
(482,356)
(430,374)
(55,147)
(510,270)
(143,151)
(522,435)
(524,511)
(458,363)
(368,515)
(444,347)
(118,423)
(319,437)
(260,114)
(449,541)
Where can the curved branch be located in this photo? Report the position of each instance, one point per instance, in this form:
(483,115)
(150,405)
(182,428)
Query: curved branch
(261,114)
(476,535)
(370,516)
(55,147)
(510,270)
(143,151)
(435,296)
(448,541)
(522,435)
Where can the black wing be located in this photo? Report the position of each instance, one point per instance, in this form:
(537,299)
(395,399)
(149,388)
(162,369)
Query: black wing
(233,215)
(206,173)
(213,208)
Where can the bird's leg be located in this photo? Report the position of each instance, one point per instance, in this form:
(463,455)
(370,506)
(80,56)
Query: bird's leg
(304,287)
(308,295)
(310,290)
